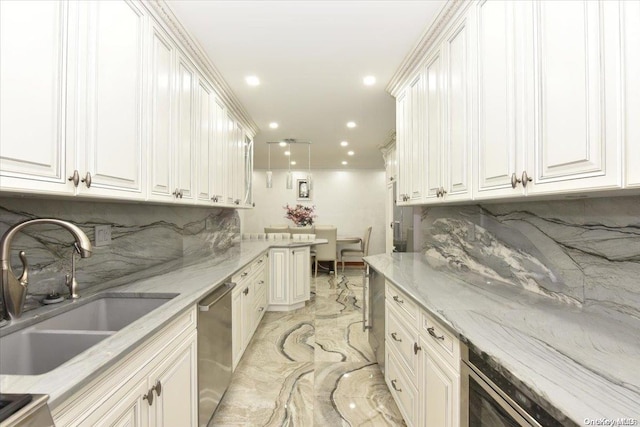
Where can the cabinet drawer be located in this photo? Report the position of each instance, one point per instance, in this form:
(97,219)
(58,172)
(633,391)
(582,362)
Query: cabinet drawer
(402,339)
(403,391)
(405,305)
(441,341)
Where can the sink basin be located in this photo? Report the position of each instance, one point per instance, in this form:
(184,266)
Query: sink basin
(50,343)
(104,314)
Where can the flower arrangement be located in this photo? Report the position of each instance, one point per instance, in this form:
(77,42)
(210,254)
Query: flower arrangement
(300,215)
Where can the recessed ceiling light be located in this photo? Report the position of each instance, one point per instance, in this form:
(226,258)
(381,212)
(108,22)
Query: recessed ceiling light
(344,162)
(287,153)
(293,162)
(273,125)
(351,153)
(282,144)
(344,143)
(351,125)
(369,80)
(252,80)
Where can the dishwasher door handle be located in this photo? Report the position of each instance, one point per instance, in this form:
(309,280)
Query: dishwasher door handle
(216,296)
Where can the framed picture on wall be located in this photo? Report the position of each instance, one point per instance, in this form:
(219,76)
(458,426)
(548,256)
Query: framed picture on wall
(304,192)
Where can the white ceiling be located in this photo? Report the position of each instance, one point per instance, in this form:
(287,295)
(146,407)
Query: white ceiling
(311,57)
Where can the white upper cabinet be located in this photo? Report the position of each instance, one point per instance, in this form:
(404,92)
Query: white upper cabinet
(204,137)
(33,78)
(415,138)
(108,116)
(401,149)
(219,184)
(575,142)
(433,122)
(630,18)
(457,138)
(500,155)
(185,136)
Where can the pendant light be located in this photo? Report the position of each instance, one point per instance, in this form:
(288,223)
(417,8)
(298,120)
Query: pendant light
(309,180)
(269,173)
(289,175)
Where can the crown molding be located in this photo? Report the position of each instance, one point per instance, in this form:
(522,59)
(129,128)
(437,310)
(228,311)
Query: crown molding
(163,13)
(429,37)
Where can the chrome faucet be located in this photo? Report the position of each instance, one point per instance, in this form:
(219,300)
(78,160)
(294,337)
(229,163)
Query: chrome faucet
(14,289)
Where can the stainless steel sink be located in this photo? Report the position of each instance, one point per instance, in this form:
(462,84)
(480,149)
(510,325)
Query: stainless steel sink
(48,344)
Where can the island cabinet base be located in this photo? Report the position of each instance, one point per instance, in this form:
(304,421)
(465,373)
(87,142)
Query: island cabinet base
(156,384)
(289,278)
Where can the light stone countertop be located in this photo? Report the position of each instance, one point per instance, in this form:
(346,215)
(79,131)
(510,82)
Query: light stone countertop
(191,281)
(578,364)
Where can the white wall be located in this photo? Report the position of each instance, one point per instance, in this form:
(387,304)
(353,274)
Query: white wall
(351,200)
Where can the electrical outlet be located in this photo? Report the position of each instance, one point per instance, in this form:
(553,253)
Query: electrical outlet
(102,235)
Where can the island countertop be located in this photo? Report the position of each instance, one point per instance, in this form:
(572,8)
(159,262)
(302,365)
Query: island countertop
(580,365)
(189,280)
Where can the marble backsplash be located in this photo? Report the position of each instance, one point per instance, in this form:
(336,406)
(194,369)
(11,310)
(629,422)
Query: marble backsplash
(583,252)
(146,240)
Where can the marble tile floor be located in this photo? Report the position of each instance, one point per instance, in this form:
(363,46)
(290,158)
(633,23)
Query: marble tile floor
(311,367)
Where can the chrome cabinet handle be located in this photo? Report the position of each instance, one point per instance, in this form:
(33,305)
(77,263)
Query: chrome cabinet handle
(236,201)
(416,348)
(395,337)
(261,309)
(149,396)
(176,193)
(87,180)
(514,180)
(75,178)
(525,179)
(244,274)
(398,300)
(393,384)
(442,191)
(433,334)
(246,291)
(158,388)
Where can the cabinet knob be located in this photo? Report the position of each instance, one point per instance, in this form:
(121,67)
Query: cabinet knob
(87,180)
(525,179)
(394,335)
(176,193)
(181,193)
(246,291)
(442,191)
(158,387)
(214,199)
(395,387)
(261,309)
(236,201)
(416,348)
(149,397)
(514,180)
(398,300)
(75,178)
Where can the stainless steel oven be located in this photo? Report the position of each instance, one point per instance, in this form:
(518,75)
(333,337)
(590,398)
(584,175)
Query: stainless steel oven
(489,399)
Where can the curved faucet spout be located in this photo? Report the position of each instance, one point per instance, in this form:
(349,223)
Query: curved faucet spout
(14,289)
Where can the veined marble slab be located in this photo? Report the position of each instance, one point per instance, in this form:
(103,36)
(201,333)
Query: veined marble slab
(576,362)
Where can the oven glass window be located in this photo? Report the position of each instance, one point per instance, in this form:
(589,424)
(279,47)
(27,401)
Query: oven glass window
(484,411)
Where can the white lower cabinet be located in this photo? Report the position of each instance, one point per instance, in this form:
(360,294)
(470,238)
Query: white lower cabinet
(289,278)
(156,385)
(248,304)
(422,364)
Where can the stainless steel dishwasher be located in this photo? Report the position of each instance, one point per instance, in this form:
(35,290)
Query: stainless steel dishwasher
(214,350)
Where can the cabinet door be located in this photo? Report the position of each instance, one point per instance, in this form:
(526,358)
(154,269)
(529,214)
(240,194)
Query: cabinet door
(441,387)
(433,125)
(110,92)
(185,136)
(415,115)
(300,274)
(457,141)
(402,148)
(631,70)
(126,407)
(278,275)
(220,165)
(33,61)
(576,145)
(176,404)
(247,164)
(500,150)
(232,164)
(162,82)
(204,136)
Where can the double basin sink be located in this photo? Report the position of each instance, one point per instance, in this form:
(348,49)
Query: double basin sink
(43,346)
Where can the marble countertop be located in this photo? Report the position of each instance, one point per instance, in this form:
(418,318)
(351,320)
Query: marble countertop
(191,281)
(578,364)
